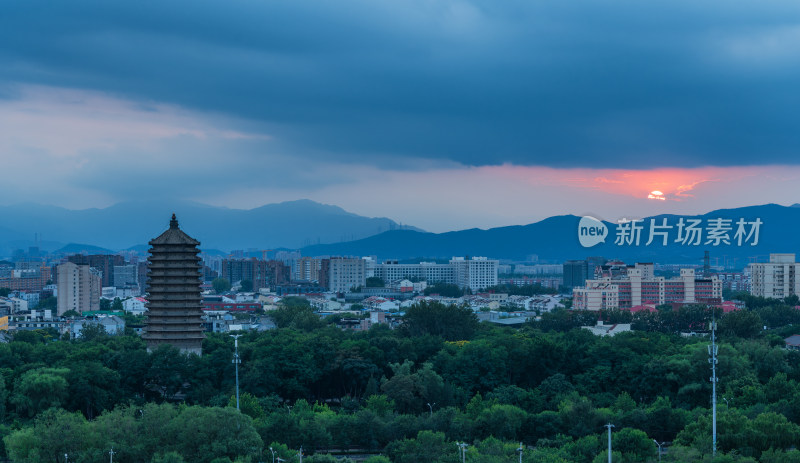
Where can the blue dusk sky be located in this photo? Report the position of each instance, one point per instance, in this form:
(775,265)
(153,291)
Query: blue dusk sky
(442,114)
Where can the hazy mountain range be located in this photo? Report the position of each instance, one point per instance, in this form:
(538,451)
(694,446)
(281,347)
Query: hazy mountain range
(132,224)
(556,239)
(320,229)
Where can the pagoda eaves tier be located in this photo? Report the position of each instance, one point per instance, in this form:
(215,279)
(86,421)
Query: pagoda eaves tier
(174,301)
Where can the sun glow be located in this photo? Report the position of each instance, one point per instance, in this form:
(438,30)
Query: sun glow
(656,194)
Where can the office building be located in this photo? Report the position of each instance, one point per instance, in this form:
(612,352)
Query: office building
(576,272)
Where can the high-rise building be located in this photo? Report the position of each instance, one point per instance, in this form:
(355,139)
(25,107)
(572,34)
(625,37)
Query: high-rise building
(278,273)
(174,307)
(307,269)
(345,273)
(79,288)
(476,273)
(236,270)
(576,272)
(126,276)
(103,262)
(778,278)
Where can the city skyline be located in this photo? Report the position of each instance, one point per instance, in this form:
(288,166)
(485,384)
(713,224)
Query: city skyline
(445,115)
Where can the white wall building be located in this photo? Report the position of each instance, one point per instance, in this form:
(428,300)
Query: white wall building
(776,279)
(346,273)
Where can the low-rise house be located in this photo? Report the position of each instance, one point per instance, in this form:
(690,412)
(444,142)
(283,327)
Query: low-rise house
(112,324)
(793,342)
(135,305)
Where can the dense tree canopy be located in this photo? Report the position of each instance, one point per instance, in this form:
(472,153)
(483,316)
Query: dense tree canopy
(411,393)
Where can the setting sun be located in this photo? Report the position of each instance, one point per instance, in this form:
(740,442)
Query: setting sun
(656,194)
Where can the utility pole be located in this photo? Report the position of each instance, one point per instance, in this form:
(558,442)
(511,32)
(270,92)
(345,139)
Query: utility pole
(609,426)
(236,362)
(712,352)
(300,454)
(520,450)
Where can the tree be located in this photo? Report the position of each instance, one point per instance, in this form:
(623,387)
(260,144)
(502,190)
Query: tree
(444,289)
(202,434)
(741,323)
(246,286)
(116,305)
(105,304)
(375,282)
(4,292)
(451,322)
(221,285)
(39,389)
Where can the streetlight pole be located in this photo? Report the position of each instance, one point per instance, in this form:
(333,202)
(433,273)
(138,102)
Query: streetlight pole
(713,349)
(609,426)
(727,405)
(463,446)
(111,454)
(300,454)
(659,448)
(431,407)
(66,458)
(520,450)
(236,362)
(273,454)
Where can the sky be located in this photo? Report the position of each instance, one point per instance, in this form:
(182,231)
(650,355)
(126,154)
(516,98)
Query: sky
(441,114)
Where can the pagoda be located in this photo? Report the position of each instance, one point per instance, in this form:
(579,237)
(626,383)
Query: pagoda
(174,304)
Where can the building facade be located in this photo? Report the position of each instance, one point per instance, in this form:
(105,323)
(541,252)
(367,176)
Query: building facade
(236,270)
(777,278)
(79,288)
(640,287)
(345,273)
(476,273)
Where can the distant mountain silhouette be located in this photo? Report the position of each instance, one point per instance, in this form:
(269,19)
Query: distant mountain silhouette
(556,239)
(125,225)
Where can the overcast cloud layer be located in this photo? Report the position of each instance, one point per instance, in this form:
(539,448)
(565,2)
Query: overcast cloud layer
(270,100)
(612,84)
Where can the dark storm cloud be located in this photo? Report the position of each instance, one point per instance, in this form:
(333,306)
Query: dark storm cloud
(624,84)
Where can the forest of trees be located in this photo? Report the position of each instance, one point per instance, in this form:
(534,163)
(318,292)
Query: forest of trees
(410,394)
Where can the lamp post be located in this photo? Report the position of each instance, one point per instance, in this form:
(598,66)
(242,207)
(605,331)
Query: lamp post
(111,454)
(236,362)
(609,426)
(727,405)
(66,458)
(463,447)
(520,450)
(659,448)
(273,454)
(300,454)
(431,407)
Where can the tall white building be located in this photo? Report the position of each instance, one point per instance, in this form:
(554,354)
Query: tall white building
(345,273)
(776,279)
(79,288)
(476,273)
